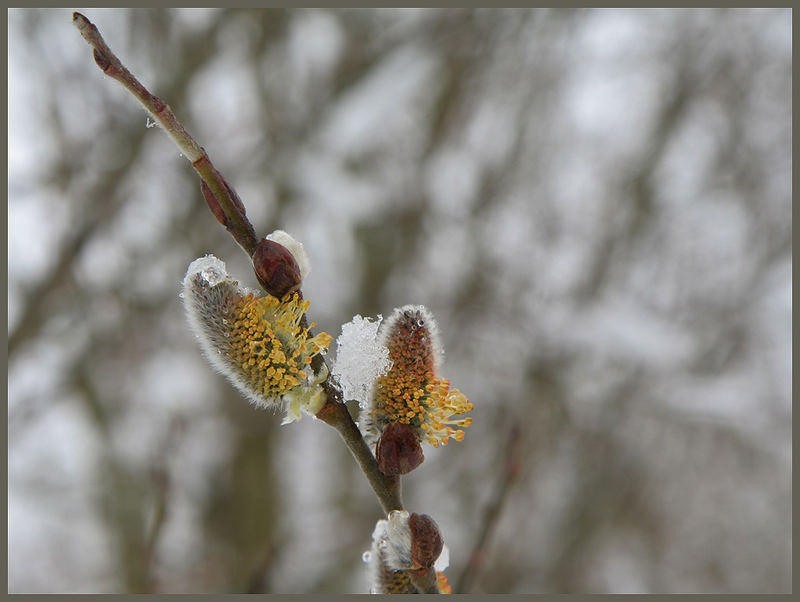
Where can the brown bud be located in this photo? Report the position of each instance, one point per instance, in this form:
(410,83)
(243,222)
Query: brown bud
(426,541)
(276,268)
(399,450)
(101,60)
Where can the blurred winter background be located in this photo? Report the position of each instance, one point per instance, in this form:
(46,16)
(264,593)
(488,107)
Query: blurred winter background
(596,205)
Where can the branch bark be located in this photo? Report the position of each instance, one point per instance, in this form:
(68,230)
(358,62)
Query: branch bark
(336,414)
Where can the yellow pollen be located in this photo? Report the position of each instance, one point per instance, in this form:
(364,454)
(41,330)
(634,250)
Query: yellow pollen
(265,339)
(410,393)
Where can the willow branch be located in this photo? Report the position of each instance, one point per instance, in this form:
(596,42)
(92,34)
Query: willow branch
(228,209)
(222,199)
(336,414)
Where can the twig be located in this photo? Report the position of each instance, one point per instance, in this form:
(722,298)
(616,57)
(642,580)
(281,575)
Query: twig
(229,210)
(513,467)
(336,414)
(223,201)
(161,476)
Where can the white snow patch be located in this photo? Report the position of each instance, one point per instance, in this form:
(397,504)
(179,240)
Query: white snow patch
(360,359)
(212,270)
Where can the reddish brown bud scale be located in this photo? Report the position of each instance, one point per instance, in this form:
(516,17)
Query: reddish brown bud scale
(234,197)
(213,203)
(203,163)
(426,540)
(276,268)
(159,105)
(399,450)
(101,60)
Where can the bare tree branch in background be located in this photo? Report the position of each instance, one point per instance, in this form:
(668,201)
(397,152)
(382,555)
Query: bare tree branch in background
(595,205)
(512,469)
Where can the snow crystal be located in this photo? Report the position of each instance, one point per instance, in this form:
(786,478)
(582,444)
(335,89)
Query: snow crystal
(211,269)
(360,359)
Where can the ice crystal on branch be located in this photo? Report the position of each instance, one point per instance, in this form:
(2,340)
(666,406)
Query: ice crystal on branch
(259,343)
(360,359)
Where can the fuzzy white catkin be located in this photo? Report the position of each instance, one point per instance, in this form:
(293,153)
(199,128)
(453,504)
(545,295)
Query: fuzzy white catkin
(398,541)
(211,298)
(207,289)
(391,551)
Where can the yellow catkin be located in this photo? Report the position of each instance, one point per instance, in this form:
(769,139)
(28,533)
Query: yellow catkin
(410,392)
(394,582)
(268,343)
(260,343)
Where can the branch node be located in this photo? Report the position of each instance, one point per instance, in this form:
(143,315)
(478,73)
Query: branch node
(102,61)
(159,106)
